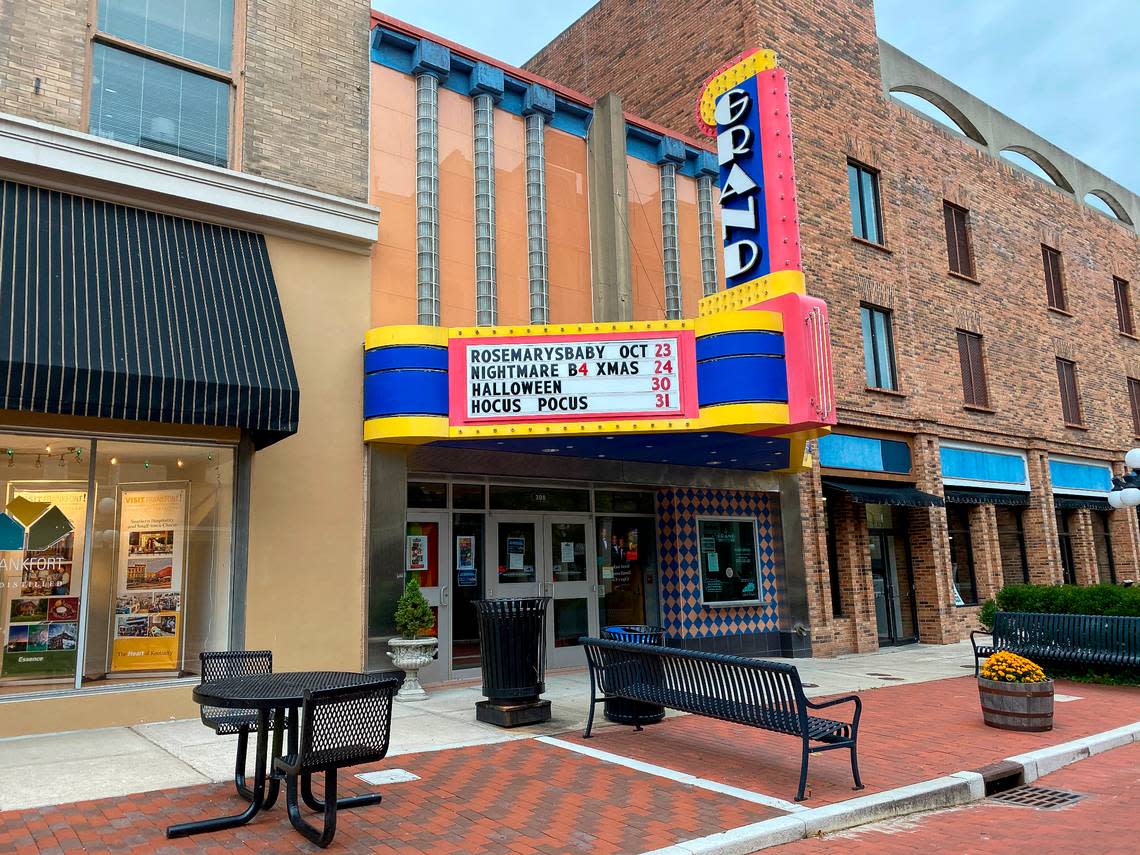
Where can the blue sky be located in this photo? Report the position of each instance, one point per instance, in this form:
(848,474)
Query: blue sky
(1068,70)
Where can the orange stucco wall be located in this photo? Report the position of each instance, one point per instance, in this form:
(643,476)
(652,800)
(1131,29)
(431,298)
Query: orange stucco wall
(568,228)
(646,264)
(393,189)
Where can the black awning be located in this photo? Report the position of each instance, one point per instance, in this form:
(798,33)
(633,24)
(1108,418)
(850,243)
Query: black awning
(117,312)
(1076,503)
(883,494)
(986,497)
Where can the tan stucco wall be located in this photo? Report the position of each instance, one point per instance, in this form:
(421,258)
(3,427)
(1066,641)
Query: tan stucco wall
(305,594)
(97,709)
(306,551)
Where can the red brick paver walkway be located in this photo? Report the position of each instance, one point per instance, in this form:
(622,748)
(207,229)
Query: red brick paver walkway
(907,734)
(514,797)
(528,796)
(1104,822)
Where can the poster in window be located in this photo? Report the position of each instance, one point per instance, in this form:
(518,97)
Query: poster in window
(417,552)
(516,551)
(729,566)
(44,581)
(147,629)
(465,574)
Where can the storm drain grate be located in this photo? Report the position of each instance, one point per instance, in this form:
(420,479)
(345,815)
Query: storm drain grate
(1038,798)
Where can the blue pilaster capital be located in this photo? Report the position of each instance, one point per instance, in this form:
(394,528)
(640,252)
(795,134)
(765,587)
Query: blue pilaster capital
(487,80)
(707,166)
(538,99)
(431,58)
(670,150)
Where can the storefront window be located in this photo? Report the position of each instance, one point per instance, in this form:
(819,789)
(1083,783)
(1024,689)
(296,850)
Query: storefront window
(427,494)
(1065,541)
(962,556)
(626,556)
(1102,541)
(155,537)
(539,499)
(624,502)
(1011,543)
(728,562)
(468,497)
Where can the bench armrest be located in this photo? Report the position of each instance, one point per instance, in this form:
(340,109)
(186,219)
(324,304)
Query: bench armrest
(973,643)
(846,699)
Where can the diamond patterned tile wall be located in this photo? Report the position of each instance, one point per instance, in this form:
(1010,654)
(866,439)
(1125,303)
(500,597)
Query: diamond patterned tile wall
(682,612)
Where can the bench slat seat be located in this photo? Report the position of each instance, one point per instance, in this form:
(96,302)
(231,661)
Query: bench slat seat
(1079,639)
(752,692)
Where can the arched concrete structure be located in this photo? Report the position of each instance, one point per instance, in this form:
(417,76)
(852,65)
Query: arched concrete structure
(1043,163)
(996,132)
(1113,203)
(953,113)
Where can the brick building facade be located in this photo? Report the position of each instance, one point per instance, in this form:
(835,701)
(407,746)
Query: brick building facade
(655,56)
(298,74)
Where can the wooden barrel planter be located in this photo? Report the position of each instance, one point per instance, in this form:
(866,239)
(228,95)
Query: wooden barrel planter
(1026,707)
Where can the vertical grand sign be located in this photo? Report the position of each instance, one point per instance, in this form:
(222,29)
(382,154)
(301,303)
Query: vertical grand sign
(745,106)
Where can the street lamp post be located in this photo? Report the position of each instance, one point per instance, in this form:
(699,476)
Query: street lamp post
(1126,491)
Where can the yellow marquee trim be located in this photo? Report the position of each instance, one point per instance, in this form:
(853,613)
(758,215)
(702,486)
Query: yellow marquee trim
(723,322)
(750,293)
(406,334)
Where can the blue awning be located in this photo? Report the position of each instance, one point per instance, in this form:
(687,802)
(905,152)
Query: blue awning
(122,313)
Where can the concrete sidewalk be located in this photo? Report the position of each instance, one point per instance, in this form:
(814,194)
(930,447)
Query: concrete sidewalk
(83,765)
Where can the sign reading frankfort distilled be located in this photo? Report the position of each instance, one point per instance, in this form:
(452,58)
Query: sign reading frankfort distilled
(560,378)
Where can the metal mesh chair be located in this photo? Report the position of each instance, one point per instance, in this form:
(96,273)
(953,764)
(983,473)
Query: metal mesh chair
(225,665)
(339,728)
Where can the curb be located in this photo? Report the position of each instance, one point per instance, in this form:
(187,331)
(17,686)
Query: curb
(958,788)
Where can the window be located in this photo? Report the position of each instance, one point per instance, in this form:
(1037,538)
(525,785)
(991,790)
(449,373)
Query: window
(974,388)
(866,220)
(161,76)
(1054,283)
(878,348)
(118,560)
(1070,397)
(1134,400)
(728,561)
(1065,541)
(958,240)
(961,555)
(1123,306)
(833,557)
(1011,545)
(1102,543)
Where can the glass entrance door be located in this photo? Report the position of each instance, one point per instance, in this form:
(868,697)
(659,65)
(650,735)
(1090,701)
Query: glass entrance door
(426,558)
(535,555)
(572,584)
(894,596)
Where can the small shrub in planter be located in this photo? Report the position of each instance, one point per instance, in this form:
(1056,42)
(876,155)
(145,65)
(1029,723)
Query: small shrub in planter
(1015,693)
(413,614)
(412,651)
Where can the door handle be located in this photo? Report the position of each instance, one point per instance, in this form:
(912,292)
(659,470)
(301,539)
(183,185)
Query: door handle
(443,595)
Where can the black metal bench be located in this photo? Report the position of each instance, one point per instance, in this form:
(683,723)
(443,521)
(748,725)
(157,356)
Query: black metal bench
(767,695)
(1076,639)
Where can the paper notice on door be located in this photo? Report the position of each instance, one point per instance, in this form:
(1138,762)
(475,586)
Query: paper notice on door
(712,562)
(567,552)
(607,571)
(516,546)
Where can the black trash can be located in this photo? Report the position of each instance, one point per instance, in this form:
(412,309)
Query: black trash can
(621,710)
(512,651)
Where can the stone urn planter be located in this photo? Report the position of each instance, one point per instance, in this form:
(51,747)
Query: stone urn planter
(410,655)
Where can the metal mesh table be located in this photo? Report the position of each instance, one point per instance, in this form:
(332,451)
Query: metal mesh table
(269,695)
(621,710)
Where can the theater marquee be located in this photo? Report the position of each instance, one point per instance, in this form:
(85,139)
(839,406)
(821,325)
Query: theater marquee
(744,384)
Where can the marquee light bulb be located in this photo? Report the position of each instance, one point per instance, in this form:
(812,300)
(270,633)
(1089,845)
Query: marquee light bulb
(114,461)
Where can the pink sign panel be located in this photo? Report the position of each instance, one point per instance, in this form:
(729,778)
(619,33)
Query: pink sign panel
(570,378)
